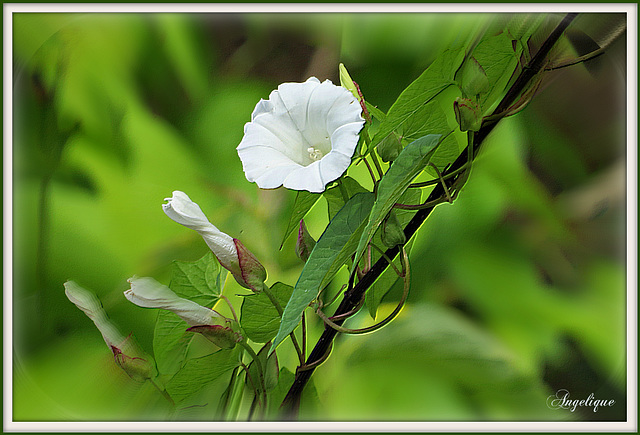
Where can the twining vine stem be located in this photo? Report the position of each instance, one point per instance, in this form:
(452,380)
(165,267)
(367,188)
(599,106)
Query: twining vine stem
(354,294)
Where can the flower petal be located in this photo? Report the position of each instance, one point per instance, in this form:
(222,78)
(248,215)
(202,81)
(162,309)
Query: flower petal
(297,128)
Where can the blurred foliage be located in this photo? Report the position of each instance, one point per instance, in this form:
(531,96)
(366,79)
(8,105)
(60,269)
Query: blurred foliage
(518,288)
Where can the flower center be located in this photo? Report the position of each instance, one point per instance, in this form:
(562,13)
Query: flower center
(314,153)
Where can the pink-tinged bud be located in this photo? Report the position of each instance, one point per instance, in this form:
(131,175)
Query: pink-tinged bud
(305,243)
(138,368)
(231,254)
(222,336)
(252,273)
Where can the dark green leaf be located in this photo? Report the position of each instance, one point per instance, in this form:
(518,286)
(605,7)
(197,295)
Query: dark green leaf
(335,198)
(303,203)
(433,80)
(199,372)
(259,318)
(412,160)
(333,249)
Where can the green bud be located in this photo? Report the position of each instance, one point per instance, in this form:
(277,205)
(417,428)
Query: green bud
(392,232)
(129,357)
(468,114)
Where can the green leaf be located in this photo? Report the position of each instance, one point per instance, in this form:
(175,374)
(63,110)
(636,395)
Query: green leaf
(377,113)
(170,342)
(199,281)
(308,401)
(431,82)
(199,372)
(269,365)
(412,160)
(332,250)
(431,119)
(334,197)
(497,58)
(259,318)
(303,203)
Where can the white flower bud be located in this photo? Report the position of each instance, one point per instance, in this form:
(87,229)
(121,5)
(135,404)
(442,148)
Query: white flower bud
(149,293)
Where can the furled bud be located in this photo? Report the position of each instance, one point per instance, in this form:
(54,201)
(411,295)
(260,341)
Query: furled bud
(231,254)
(392,232)
(305,243)
(149,293)
(125,352)
(468,114)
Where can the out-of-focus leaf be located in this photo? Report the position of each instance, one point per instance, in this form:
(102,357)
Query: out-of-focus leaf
(259,318)
(433,80)
(334,247)
(303,203)
(412,160)
(199,372)
(437,347)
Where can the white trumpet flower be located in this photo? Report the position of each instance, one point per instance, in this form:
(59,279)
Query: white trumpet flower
(302,137)
(230,252)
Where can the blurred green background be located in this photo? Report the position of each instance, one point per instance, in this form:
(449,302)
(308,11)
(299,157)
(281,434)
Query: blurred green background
(519,287)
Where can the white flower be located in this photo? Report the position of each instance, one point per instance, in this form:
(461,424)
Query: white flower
(230,252)
(149,293)
(302,137)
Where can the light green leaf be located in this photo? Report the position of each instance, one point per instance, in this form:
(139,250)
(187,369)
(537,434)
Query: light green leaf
(498,59)
(259,318)
(170,342)
(412,160)
(303,203)
(332,250)
(433,80)
(199,372)
(199,281)
(377,113)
